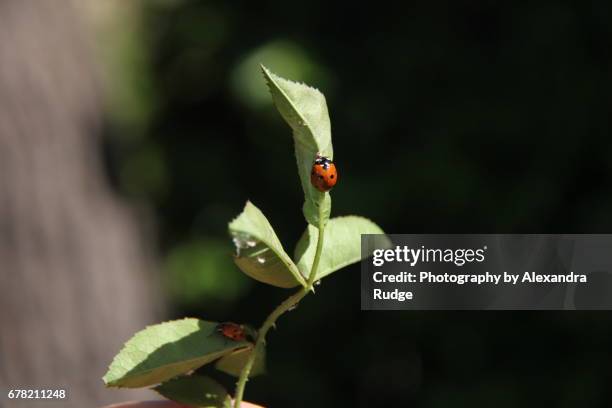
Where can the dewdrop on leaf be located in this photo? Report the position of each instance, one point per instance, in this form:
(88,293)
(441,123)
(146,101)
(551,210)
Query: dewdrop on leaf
(243,241)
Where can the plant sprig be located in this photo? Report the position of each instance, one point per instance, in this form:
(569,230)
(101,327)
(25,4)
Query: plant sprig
(166,354)
(270,321)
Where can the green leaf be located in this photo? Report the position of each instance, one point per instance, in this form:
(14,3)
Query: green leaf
(166,350)
(341,245)
(305,110)
(259,252)
(233,363)
(195,391)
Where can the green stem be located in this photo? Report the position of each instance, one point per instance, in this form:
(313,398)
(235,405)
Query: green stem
(317,258)
(286,305)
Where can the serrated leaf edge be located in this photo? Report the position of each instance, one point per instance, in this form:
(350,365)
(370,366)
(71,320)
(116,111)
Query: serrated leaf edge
(270,77)
(291,266)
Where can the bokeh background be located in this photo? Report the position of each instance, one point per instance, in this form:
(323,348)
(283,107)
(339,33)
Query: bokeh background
(447,116)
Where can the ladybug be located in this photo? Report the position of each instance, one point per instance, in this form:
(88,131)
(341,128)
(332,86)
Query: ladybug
(324,174)
(232,331)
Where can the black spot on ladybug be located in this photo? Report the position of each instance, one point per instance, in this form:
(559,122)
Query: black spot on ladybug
(332,176)
(321,177)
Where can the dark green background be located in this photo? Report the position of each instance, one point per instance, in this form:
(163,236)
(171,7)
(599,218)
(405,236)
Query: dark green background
(447,117)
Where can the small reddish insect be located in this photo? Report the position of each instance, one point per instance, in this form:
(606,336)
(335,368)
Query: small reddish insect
(324,174)
(232,331)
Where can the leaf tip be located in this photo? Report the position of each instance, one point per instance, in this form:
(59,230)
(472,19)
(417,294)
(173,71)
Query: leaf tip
(266,73)
(108,381)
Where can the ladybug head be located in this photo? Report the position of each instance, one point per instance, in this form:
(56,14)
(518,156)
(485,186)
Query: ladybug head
(322,160)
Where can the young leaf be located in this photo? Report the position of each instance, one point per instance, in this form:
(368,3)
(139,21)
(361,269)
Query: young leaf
(166,350)
(341,246)
(259,252)
(195,391)
(233,363)
(305,110)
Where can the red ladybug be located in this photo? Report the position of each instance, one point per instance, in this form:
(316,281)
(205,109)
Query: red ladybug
(324,174)
(232,331)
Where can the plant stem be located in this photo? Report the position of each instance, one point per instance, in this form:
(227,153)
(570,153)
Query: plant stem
(317,258)
(286,305)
